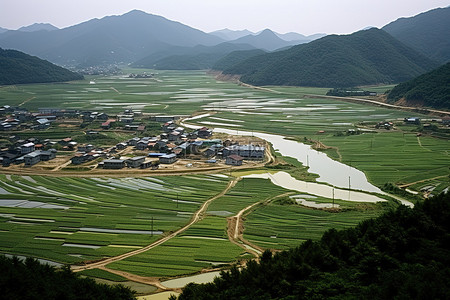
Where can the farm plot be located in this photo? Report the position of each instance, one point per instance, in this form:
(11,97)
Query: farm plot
(203,245)
(282,226)
(70,220)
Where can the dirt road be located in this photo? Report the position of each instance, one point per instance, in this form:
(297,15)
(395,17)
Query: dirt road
(197,217)
(235,229)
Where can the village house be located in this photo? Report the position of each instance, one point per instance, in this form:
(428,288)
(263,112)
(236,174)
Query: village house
(27,148)
(114,164)
(32,158)
(133,142)
(85,148)
(168,158)
(121,146)
(135,162)
(234,160)
(48,155)
(175,136)
(204,133)
(250,152)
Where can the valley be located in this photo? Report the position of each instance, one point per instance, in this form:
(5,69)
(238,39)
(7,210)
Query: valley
(160,224)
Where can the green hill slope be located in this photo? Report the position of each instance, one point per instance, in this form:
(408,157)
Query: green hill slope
(365,57)
(403,254)
(17,67)
(235,58)
(189,58)
(427,32)
(432,89)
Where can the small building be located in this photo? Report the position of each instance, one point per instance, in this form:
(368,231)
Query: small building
(133,141)
(85,148)
(234,160)
(135,162)
(32,158)
(175,136)
(121,146)
(78,159)
(113,164)
(204,133)
(27,148)
(48,155)
(168,158)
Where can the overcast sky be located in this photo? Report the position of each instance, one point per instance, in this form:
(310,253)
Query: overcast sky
(302,16)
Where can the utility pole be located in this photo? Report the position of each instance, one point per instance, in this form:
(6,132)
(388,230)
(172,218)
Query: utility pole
(349,182)
(152,227)
(333,196)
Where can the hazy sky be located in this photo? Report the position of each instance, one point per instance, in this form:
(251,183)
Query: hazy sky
(302,16)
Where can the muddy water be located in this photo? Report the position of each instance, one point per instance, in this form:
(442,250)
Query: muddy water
(286,181)
(181,282)
(329,170)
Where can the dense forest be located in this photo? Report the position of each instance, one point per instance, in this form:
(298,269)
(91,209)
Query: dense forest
(31,280)
(365,57)
(427,32)
(235,58)
(403,254)
(431,89)
(17,67)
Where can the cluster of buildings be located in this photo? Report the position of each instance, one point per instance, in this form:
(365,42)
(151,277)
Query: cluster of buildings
(172,144)
(29,152)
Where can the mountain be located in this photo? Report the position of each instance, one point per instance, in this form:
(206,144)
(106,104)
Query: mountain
(37,27)
(17,67)
(427,32)
(189,58)
(235,58)
(291,36)
(403,254)
(229,35)
(430,89)
(113,39)
(365,57)
(266,40)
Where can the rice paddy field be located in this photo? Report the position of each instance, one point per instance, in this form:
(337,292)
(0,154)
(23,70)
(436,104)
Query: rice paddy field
(68,220)
(73,219)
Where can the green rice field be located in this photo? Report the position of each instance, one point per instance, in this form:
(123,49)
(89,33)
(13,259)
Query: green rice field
(73,219)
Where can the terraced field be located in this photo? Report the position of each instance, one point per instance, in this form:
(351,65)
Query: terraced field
(69,220)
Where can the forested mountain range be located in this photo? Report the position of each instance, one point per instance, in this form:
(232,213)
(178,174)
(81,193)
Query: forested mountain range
(366,57)
(403,254)
(235,58)
(427,32)
(112,39)
(430,89)
(17,67)
(189,58)
(266,40)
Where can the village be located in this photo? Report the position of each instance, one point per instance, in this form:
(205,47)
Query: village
(173,148)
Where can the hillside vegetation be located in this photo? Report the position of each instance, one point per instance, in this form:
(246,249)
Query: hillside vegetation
(235,58)
(30,280)
(403,254)
(365,57)
(17,67)
(189,58)
(431,89)
(427,32)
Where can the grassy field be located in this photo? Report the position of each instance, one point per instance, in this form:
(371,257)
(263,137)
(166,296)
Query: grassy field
(63,232)
(65,227)
(204,245)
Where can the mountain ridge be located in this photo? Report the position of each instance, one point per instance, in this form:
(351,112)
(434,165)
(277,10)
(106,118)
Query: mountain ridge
(18,68)
(365,57)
